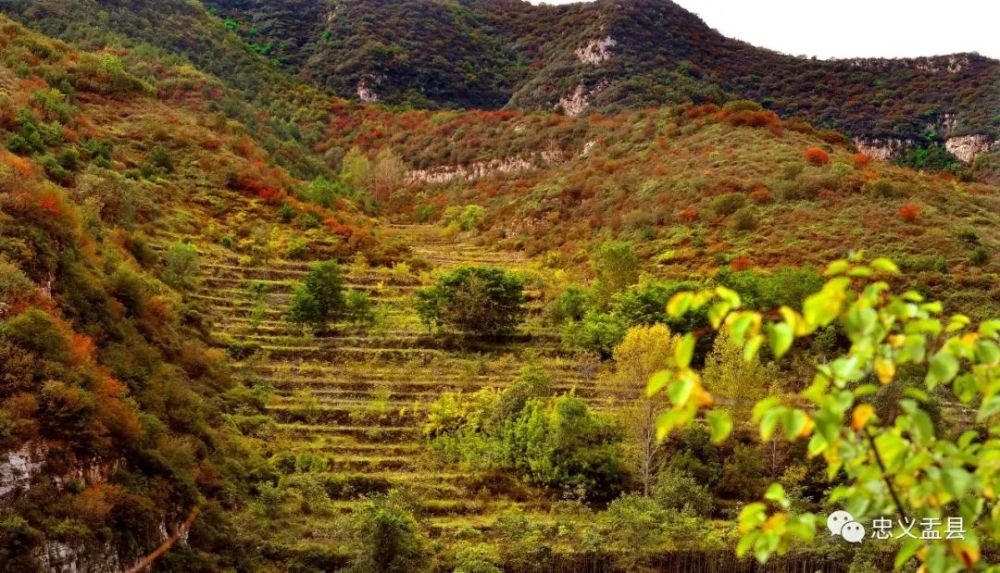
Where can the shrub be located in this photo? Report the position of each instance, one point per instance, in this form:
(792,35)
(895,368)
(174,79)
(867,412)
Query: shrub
(181,266)
(481,558)
(320,297)
(616,266)
(389,538)
(480,300)
(979,256)
(761,195)
(160,159)
(598,332)
(860,160)
(725,205)
(741,105)
(745,220)
(678,491)
(741,264)
(359,308)
(909,212)
(688,215)
(880,188)
(569,306)
(468,218)
(37,332)
(816,156)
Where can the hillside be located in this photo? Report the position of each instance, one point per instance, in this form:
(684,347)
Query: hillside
(115,391)
(288,332)
(611,55)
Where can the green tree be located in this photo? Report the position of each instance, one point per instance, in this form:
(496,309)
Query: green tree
(641,354)
(737,383)
(356,170)
(616,266)
(320,297)
(895,466)
(389,537)
(181,265)
(481,300)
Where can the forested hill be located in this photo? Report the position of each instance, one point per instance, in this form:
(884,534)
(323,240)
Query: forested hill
(606,56)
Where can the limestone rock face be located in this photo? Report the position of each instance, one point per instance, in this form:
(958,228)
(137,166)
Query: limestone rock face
(967,147)
(596,51)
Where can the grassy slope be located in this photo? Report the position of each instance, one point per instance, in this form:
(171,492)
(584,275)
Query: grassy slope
(645,172)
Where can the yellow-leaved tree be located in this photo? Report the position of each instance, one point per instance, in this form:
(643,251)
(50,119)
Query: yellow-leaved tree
(898,467)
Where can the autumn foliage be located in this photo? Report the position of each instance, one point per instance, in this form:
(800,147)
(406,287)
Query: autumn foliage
(909,212)
(688,215)
(860,160)
(816,156)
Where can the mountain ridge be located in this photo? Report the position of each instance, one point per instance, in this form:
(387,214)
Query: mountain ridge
(611,55)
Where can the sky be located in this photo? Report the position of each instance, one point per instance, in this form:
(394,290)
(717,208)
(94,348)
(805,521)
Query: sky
(855,28)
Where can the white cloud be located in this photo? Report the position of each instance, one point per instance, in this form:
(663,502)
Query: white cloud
(855,28)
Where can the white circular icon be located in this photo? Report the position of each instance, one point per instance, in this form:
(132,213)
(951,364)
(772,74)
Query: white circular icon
(853,532)
(837,521)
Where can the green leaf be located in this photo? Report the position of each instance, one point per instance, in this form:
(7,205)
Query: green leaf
(721,425)
(990,328)
(679,304)
(728,295)
(680,390)
(989,408)
(956,481)
(906,552)
(658,381)
(752,347)
(780,336)
(684,350)
(943,367)
(738,330)
(884,265)
(666,422)
(752,516)
(769,421)
(987,352)
(794,421)
(836,267)
(717,313)
(776,493)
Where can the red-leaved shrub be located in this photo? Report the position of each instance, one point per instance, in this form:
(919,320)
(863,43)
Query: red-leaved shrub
(860,160)
(740,264)
(816,156)
(909,212)
(688,215)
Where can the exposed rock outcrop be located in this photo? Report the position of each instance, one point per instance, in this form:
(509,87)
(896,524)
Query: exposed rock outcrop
(967,147)
(596,51)
(366,93)
(479,169)
(882,149)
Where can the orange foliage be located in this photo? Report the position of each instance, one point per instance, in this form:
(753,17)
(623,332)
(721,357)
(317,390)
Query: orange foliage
(740,264)
(688,215)
(270,195)
(816,156)
(860,160)
(51,205)
(761,194)
(24,167)
(909,212)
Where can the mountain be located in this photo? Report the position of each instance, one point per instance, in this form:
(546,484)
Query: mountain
(178,178)
(611,55)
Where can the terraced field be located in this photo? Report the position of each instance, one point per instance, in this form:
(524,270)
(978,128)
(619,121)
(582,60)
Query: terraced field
(355,398)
